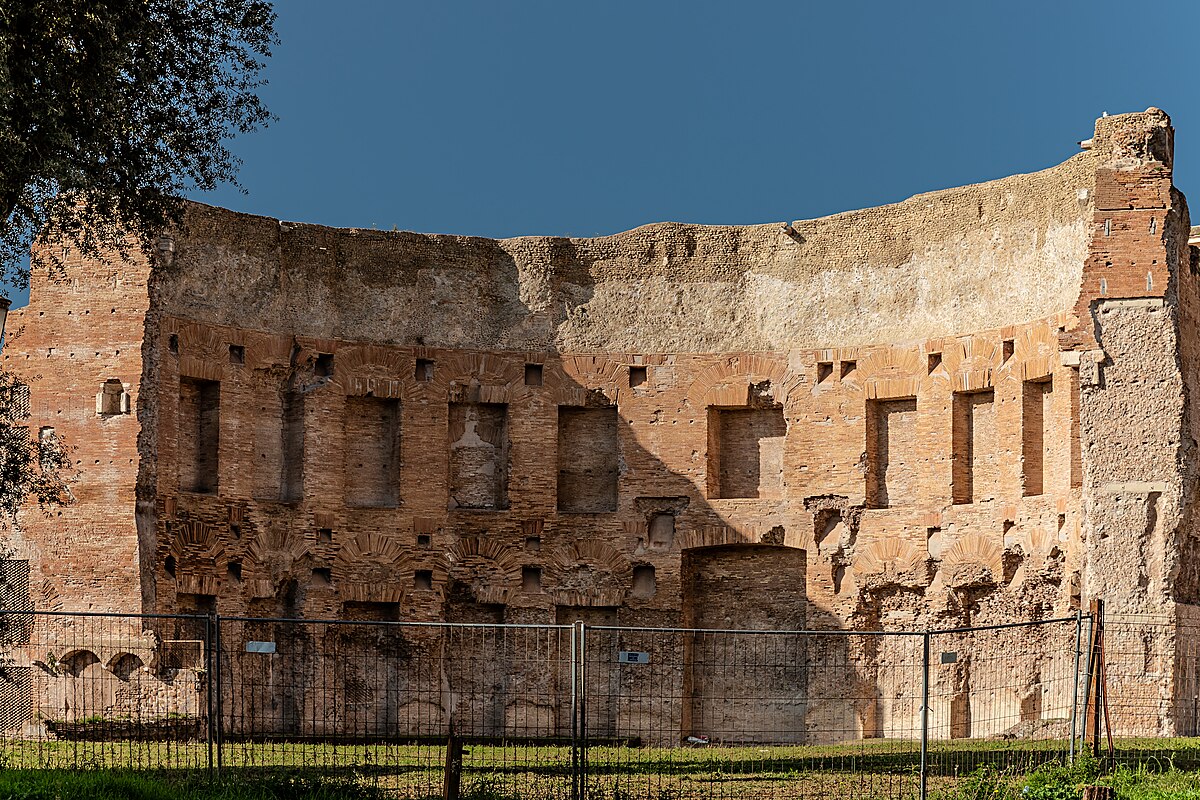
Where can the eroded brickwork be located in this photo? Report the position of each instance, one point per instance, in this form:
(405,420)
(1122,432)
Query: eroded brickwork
(969,407)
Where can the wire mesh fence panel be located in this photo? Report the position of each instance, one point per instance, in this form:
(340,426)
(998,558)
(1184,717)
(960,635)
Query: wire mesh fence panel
(1010,697)
(473,709)
(705,713)
(95,691)
(396,704)
(1149,693)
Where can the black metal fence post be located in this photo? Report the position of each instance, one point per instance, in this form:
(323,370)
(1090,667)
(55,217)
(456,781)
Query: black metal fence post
(925,715)
(575,766)
(219,689)
(209,626)
(583,735)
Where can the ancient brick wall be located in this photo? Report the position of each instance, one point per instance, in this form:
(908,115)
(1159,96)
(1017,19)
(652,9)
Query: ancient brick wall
(79,346)
(962,408)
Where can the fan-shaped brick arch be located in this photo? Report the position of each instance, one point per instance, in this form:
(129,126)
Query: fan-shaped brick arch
(196,548)
(971,561)
(272,557)
(370,568)
(728,382)
(265,350)
(375,370)
(501,378)
(576,376)
(203,352)
(590,572)
(890,372)
(488,567)
(890,561)
(722,535)
(1035,351)
(971,361)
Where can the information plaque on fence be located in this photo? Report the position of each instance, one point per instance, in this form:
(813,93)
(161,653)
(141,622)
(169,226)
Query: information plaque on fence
(633,657)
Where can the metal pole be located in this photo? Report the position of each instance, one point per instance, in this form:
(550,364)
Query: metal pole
(575,776)
(1087,684)
(583,750)
(217,682)
(1098,676)
(925,716)
(208,675)
(1075,691)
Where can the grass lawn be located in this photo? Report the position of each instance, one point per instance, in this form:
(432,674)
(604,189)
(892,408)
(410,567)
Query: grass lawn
(961,769)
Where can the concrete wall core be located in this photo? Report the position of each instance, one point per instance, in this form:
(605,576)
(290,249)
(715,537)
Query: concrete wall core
(972,406)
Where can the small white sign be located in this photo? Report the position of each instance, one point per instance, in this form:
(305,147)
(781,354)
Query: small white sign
(260,647)
(633,657)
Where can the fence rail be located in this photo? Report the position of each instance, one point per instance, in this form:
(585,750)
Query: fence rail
(579,711)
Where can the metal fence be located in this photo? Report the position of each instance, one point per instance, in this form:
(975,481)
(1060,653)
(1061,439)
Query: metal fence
(550,711)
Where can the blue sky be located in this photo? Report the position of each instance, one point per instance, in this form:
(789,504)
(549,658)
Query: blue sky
(570,118)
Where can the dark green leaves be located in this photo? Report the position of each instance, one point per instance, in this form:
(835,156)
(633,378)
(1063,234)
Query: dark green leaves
(111,109)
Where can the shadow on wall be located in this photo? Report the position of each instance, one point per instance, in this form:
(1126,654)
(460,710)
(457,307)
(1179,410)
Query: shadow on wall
(532,498)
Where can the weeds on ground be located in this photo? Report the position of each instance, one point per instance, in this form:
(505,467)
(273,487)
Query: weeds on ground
(1047,782)
(107,785)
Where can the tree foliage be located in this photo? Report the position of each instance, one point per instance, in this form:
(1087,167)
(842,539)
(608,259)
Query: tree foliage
(111,109)
(31,465)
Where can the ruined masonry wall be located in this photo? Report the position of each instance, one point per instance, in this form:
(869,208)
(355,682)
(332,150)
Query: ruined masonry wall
(965,408)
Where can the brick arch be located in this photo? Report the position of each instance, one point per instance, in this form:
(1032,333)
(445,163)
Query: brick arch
(1035,351)
(1040,539)
(728,383)
(201,341)
(501,379)
(266,350)
(577,375)
(203,351)
(272,556)
(890,561)
(891,371)
(723,535)
(197,549)
(971,361)
(590,572)
(489,567)
(123,661)
(972,560)
(381,371)
(367,567)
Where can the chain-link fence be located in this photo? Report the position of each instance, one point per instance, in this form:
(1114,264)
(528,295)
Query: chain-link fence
(587,711)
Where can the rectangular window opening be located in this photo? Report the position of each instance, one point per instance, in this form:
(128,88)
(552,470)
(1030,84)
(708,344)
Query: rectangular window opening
(892,452)
(533,374)
(588,455)
(199,436)
(372,451)
(975,467)
(324,365)
(291,484)
(745,454)
(1036,434)
(479,454)
(531,579)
